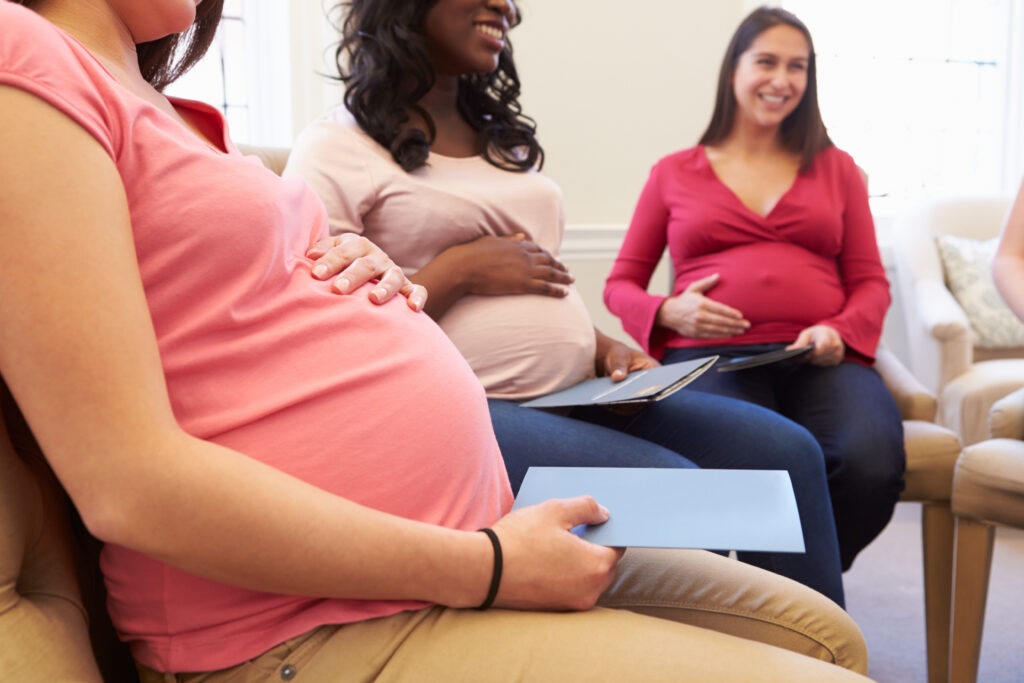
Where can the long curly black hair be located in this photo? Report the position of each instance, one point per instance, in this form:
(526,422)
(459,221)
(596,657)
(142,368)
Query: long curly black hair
(166,59)
(382,59)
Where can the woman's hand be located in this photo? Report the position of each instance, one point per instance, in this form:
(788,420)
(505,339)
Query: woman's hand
(546,566)
(829,348)
(614,359)
(692,314)
(356,260)
(512,265)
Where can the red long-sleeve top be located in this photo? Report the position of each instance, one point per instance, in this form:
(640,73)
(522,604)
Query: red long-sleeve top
(813,259)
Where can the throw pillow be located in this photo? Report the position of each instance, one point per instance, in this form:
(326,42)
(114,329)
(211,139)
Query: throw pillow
(967,264)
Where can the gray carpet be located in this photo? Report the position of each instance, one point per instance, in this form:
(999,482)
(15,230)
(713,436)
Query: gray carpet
(884,595)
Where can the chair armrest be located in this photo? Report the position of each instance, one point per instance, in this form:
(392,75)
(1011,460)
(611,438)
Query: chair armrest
(1006,417)
(939,333)
(913,399)
(939,311)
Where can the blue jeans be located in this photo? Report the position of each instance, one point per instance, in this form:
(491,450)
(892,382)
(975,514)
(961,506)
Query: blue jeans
(687,429)
(848,410)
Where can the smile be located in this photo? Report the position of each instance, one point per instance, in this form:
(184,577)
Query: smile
(490,31)
(773,99)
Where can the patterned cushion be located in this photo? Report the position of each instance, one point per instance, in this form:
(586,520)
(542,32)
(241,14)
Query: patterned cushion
(967,264)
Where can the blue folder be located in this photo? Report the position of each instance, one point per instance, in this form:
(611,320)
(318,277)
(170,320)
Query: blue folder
(678,508)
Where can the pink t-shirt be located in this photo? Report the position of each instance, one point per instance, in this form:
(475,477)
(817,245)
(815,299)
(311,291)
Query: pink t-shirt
(369,402)
(812,260)
(520,346)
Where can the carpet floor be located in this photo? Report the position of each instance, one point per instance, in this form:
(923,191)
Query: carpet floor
(884,594)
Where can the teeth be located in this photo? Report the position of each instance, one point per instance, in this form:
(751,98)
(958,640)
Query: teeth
(772,99)
(489,31)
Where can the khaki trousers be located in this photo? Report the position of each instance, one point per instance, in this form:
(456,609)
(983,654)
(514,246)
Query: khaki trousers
(671,615)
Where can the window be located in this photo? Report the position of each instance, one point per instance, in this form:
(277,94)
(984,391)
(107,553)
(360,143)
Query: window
(922,92)
(246,72)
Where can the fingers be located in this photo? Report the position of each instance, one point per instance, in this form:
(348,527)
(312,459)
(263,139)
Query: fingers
(390,283)
(803,339)
(415,294)
(829,348)
(702,285)
(582,510)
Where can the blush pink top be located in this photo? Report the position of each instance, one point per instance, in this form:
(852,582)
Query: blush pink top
(368,402)
(520,346)
(812,260)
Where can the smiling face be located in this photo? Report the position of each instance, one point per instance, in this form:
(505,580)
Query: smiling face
(771,76)
(467,36)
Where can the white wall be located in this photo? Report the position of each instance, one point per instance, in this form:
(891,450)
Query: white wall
(613,88)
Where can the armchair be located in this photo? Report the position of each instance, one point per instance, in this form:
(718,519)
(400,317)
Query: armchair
(988,490)
(932,453)
(945,356)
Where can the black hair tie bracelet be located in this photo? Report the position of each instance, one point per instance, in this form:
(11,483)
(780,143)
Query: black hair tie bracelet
(492,592)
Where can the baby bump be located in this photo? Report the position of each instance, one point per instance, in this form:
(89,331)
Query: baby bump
(522,346)
(772,282)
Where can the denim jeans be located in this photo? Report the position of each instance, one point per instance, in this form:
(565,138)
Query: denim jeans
(688,429)
(848,410)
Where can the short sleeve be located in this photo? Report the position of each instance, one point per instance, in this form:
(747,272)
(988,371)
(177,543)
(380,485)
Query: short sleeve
(40,59)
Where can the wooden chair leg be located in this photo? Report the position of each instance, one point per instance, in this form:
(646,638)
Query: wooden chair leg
(937,542)
(972,562)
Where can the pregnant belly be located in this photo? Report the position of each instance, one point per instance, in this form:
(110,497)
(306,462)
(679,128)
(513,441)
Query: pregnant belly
(772,283)
(522,346)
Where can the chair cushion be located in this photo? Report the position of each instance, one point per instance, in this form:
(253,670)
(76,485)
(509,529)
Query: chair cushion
(43,625)
(988,484)
(967,265)
(965,402)
(931,456)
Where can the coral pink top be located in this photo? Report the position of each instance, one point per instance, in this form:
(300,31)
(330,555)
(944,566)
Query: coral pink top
(812,260)
(369,402)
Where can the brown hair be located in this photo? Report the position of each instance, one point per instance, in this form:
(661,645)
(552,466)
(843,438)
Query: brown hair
(802,132)
(166,59)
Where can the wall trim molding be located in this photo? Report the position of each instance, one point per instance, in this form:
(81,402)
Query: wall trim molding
(592,240)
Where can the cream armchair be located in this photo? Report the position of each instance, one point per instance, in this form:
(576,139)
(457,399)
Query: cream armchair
(932,452)
(988,490)
(967,378)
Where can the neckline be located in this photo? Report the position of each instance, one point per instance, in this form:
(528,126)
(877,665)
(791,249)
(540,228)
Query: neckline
(736,198)
(175,102)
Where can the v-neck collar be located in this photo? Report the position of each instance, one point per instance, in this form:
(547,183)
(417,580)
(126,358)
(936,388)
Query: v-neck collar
(735,197)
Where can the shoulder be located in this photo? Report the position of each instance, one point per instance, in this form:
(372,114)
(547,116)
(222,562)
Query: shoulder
(681,164)
(33,48)
(41,59)
(834,161)
(336,139)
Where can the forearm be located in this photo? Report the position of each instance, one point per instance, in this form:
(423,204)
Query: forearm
(1008,273)
(1008,264)
(446,278)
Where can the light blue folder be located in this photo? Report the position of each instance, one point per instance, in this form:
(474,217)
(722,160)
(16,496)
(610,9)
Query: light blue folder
(678,508)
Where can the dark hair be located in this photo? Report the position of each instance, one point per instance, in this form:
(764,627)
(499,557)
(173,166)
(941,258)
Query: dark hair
(164,60)
(382,59)
(802,132)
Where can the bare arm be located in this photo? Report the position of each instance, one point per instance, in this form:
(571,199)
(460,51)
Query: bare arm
(491,266)
(1008,265)
(80,356)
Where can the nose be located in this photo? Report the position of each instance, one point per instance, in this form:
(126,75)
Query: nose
(780,79)
(507,8)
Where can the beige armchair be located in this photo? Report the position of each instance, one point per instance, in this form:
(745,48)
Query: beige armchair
(988,490)
(932,453)
(967,378)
